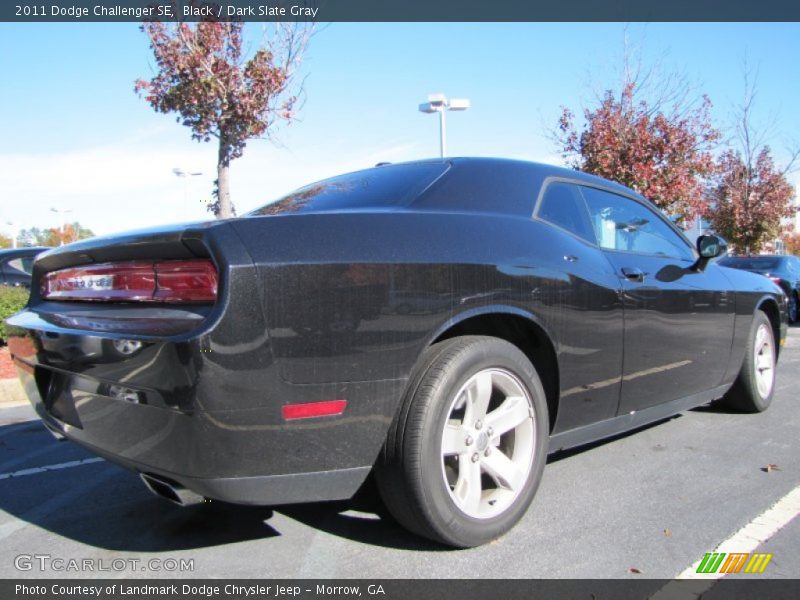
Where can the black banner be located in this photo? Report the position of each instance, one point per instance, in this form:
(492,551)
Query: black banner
(394,589)
(400,10)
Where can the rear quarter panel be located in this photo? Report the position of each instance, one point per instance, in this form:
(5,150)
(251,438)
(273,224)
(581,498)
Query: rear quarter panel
(332,283)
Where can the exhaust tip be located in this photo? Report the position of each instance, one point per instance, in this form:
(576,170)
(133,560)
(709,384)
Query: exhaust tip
(170,490)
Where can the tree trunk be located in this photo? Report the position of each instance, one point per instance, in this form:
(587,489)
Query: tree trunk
(223,184)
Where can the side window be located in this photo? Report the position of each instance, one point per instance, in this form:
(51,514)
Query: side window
(564,206)
(623,224)
(22,264)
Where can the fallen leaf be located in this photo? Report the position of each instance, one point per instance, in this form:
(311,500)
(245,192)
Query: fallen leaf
(668,532)
(634,570)
(770,467)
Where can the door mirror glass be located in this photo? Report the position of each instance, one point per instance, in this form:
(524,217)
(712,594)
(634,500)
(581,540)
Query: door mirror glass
(711,246)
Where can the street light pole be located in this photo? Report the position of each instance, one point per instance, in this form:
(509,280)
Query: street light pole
(442,134)
(14,233)
(438,103)
(185,176)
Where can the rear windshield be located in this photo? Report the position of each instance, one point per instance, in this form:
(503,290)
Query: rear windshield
(384,187)
(751,263)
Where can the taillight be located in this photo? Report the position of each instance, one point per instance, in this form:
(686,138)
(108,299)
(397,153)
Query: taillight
(136,281)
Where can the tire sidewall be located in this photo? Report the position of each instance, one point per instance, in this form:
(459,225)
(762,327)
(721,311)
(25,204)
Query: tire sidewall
(446,517)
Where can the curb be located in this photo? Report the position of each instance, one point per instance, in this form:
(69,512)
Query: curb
(11,392)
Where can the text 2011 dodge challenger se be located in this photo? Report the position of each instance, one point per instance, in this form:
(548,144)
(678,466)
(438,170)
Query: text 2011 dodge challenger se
(442,323)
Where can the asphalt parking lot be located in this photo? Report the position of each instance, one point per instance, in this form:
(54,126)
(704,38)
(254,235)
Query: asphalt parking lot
(645,505)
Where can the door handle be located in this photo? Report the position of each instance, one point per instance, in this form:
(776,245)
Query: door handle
(633,274)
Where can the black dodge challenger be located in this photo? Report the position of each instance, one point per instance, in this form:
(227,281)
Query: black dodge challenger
(266,360)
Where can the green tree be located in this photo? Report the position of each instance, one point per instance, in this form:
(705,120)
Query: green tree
(54,236)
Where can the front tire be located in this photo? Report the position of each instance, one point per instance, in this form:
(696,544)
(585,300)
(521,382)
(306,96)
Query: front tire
(753,390)
(465,455)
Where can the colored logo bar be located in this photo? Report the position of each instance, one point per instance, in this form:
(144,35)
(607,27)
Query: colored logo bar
(733,562)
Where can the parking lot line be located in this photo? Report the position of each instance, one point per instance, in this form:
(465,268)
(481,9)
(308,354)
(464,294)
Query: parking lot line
(18,460)
(45,468)
(744,541)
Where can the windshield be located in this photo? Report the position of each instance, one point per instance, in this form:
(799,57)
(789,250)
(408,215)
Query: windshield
(383,187)
(752,263)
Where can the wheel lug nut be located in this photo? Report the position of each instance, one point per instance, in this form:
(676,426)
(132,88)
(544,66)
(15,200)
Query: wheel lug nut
(468,441)
(488,451)
(489,431)
(478,424)
(475,457)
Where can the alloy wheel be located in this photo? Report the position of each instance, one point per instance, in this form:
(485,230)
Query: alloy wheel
(488,443)
(764,360)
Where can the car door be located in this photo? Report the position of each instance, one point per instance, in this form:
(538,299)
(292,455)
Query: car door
(678,321)
(588,313)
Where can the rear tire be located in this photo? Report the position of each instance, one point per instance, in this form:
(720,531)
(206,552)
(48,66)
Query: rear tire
(753,390)
(465,455)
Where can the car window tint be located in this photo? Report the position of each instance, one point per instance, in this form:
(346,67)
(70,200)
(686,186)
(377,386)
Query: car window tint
(624,224)
(22,264)
(563,205)
(384,187)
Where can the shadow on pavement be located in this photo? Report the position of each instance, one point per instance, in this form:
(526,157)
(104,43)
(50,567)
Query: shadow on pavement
(103,505)
(717,407)
(362,519)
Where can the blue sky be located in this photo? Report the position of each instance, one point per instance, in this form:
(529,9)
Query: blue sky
(76,137)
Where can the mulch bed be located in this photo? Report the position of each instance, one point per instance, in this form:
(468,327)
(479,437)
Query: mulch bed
(7,368)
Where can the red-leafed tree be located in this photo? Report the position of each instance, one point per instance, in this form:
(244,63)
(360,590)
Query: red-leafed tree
(750,200)
(751,197)
(220,91)
(652,134)
(662,155)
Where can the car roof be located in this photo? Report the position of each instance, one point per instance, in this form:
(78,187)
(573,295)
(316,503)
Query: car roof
(459,184)
(544,169)
(513,185)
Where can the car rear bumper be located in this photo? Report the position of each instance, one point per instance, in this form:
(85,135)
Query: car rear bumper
(209,423)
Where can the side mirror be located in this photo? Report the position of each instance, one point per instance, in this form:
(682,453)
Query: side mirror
(709,247)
